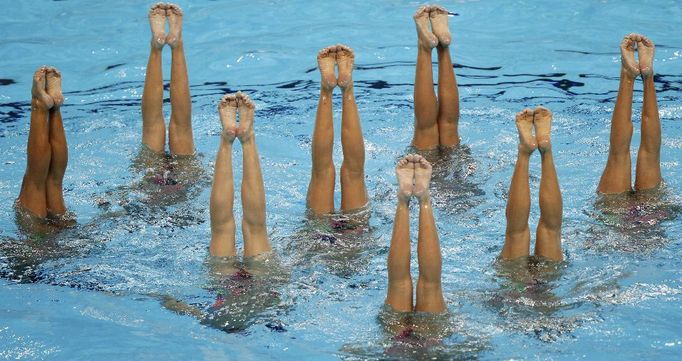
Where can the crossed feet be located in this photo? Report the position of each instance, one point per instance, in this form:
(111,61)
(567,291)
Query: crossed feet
(414,176)
(158,14)
(227,108)
(432,26)
(340,56)
(541,119)
(645,52)
(47,87)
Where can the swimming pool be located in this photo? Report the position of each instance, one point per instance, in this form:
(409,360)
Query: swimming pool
(90,293)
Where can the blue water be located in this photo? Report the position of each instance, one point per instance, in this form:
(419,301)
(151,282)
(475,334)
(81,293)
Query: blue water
(93,292)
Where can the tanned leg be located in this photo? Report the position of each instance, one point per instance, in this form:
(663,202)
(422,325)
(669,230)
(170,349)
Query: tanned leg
(429,289)
(180,138)
(320,198)
(548,236)
(38,151)
(617,176)
(222,192)
(648,173)
(517,235)
(60,153)
(353,190)
(448,94)
(253,191)
(399,294)
(425,102)
(153,127)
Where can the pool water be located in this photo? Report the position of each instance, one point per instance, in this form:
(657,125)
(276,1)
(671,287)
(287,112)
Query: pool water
(96,291)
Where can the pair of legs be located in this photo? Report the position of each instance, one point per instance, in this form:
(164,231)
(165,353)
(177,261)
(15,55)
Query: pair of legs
(617,174)
(47,153)
(320,198)
(253,193)
(180,140)
(436,119)
(414,175)
(548,233)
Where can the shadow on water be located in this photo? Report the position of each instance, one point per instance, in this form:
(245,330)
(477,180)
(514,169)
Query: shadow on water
(246,293)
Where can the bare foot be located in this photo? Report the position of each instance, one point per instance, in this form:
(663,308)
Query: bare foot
(645,52)
(345,58)
(422,177)
(326,60)
(542,120)
(157,21)
(627,53)
(426,38)
(405,173)
(174,14)
(228,116)
(439,24)
(54,86)
(246,110)
(524,123)
(38,91)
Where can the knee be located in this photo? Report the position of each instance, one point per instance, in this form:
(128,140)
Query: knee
(352,169)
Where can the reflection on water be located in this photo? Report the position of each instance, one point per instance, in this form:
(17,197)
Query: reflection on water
(245,293)
(340,241)
(632,221)
(419,336)
(526,300)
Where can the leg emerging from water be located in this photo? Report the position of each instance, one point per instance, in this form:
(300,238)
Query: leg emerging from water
(222,192)
(60,155)
(648,173)
(180,138)
(425,102)
(399,294)
(548,235)
(38,151)
(153,127)
(617,176)
(320,198)
(353,190)
(448,94)
(253,191)
(517,235)
(429,289)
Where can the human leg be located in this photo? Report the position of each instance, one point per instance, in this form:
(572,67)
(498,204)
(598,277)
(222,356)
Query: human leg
(180,138)
(517,234)
(153,127)
(353,190)
(38,151)
(320,198)
(429,289)
(399,293)
(548,234)
(425,102)
(617,177)
(253,191)
(648,172)
(222,192)
(60,153)
(448,94)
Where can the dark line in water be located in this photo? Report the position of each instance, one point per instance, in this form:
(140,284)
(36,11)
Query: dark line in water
(113,66)
(7,81)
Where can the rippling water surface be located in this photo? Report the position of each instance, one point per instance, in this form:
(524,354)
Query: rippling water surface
(98,291)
